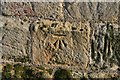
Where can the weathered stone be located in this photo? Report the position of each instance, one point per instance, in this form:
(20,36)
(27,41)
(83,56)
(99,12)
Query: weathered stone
(103,39)
(103,75)
(59,43)
(14,38)
(17,9)
(48,10)
(76,36)
(96,11)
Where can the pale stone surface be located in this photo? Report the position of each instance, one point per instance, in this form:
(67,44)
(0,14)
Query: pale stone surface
(49,10)
(17,9)
(52,11)
(96,11)
(14,38)
(57,42)
(84,35)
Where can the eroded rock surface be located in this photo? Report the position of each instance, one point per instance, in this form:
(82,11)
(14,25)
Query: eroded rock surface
(85,35)
(57,42)
(105,11)
(102,44)
(15,38)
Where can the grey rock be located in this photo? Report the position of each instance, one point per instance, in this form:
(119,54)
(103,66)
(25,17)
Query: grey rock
(83,11)
(14,38)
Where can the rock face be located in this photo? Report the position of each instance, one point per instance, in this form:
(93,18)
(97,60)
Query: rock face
(58,42)
(67,34)
(14,38)
(105,11)
(102,43)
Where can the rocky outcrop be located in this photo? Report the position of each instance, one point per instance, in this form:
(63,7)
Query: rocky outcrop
(83,35)
(102,43)
(96,11)
(15,38)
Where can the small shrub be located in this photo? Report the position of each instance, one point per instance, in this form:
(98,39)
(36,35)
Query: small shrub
(18,68)
(62,74)
(50,71)
(28,72)
(41,67)
(6,74)
(8,67)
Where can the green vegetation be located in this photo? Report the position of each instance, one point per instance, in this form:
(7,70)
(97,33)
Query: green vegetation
(62,74)
(41,67)
(22,59)
(20,71)
(7,71)
(49,71)
(28,72)
(6,75)
(18,68)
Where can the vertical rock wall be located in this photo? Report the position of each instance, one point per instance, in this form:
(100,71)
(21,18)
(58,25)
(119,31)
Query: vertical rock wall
(61,34)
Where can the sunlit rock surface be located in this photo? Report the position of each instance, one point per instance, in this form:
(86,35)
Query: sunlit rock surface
(75,36)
